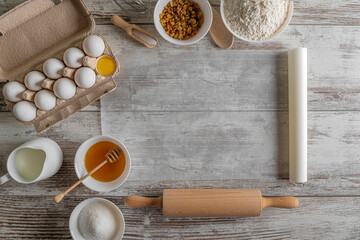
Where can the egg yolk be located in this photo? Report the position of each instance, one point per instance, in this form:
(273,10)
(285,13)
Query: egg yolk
(106,66)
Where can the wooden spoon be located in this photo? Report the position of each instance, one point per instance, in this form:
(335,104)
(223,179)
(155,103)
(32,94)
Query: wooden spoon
(112,156)
(219,33)
(136,32)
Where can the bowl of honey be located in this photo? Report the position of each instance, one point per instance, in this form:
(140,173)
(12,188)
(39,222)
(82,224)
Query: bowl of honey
(110,176)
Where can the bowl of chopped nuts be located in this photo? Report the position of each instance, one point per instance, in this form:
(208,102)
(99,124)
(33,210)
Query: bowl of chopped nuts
(183,22)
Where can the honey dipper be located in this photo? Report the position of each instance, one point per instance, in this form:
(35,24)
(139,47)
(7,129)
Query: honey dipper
(112,156)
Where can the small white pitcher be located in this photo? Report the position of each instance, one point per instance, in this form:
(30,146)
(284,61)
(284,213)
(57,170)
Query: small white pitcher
(52,163)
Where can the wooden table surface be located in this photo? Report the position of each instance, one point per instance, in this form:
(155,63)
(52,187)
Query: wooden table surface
(201,117)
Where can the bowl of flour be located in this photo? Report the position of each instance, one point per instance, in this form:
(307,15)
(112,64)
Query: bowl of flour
(256,20)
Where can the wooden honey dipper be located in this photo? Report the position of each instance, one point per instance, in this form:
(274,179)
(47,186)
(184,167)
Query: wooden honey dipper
(112,156)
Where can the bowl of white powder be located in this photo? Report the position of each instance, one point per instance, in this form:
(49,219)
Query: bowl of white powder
(96,219)
(256,20)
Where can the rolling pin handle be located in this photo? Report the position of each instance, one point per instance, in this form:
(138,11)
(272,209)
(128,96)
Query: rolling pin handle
(280,202)
(140,202)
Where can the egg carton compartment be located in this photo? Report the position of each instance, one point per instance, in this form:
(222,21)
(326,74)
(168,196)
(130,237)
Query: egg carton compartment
(83,96)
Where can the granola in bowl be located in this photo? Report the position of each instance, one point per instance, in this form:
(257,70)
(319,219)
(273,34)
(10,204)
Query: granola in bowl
(181,19)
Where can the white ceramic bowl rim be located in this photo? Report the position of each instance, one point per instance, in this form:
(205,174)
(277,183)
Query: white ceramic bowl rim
(204,29)
(91,182)
(277,33)
(73,221)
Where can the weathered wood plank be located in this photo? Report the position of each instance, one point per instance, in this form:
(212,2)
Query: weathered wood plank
(232,145)
(203,77)
(321,186)
(207,78)
(38,218)
(204,150)
(345,12)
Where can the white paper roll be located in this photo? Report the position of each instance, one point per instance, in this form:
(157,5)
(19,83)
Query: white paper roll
(297,69)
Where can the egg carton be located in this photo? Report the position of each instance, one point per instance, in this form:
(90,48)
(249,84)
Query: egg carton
(31,23)
(82,98)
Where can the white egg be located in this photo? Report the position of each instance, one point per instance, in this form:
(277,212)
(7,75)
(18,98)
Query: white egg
(12,91)
(85,77)
(33,80)
(45,100)
(53,68)
(25,111)
(64,88)
(94,46)
(73,57)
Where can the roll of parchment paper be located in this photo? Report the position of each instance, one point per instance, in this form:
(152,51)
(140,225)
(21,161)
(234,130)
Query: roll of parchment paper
(297,69)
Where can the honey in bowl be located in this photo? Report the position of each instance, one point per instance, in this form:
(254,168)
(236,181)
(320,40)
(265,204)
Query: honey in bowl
(96,155)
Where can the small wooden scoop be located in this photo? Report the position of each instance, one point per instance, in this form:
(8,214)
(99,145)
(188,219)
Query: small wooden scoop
(112,156)
(211,202)
(135,32)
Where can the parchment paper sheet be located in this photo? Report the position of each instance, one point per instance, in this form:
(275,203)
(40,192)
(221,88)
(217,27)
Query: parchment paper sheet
(162,112)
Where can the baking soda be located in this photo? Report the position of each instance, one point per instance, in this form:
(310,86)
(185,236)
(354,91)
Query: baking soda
(97,222)
(145,37)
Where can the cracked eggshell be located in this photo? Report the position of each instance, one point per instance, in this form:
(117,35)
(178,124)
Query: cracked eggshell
(93,46)
(12,91)
(33,80)
(85,77)
(64,88)
(53,68)
(45,100)
(73,57)
(24,111)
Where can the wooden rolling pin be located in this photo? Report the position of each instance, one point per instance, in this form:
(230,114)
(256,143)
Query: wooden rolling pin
(211,202)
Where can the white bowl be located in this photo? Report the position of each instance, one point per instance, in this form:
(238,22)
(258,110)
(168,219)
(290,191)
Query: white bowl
(91,182)
(277,33)
(205,27)
(73,222)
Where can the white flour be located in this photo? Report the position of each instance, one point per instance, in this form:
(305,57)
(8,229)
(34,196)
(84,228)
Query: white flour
(255,19)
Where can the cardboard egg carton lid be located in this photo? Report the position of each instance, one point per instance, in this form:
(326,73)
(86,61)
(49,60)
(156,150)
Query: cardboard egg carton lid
(36,29)
(40,29)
